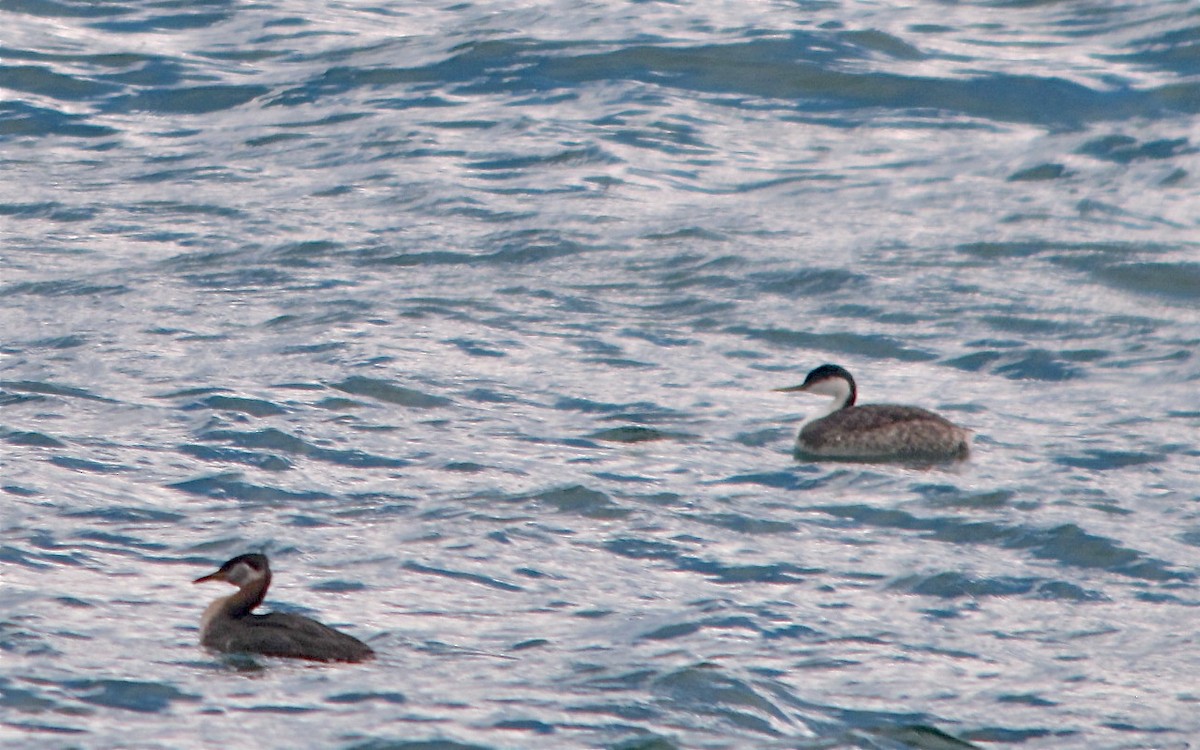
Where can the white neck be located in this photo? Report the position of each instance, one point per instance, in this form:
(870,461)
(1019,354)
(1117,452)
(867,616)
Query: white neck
(830,407)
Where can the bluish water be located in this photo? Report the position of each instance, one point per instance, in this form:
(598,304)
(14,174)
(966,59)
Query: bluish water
(468,316)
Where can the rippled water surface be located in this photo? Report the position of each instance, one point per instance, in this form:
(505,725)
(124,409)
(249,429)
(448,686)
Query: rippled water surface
(468,315)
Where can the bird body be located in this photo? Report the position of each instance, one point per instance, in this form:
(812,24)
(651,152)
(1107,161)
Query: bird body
(230,625)
(874,431)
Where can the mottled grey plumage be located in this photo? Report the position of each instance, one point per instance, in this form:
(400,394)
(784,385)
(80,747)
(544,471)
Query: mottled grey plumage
(883,431)
(874,431)
(229,623)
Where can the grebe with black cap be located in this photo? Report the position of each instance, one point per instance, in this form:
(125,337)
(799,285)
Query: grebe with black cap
(229,624)
(873,431)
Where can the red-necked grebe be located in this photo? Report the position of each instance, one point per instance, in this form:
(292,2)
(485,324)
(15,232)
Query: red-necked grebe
(874,431)
(230,625)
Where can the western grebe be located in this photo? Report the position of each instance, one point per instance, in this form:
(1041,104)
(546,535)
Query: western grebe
(230,625)
(873,431)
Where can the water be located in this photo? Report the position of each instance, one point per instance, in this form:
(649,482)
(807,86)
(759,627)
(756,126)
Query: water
(468,316)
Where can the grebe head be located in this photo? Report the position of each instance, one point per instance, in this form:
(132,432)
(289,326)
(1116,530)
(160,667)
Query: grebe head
(241,571)
(829,380)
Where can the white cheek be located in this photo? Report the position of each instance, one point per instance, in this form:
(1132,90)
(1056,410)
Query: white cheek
(836,387)
(243,574)
(826,388)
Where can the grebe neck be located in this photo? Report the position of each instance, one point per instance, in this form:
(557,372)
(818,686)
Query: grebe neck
(248,596)
(843,391)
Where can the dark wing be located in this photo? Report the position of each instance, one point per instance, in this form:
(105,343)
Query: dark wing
(885,430)
(294,636)
(305,638)
(878,416)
